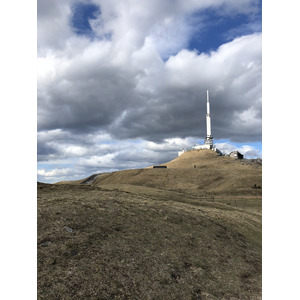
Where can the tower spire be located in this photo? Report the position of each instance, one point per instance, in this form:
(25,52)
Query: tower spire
(209,139)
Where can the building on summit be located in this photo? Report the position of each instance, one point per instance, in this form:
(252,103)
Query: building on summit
(236,154)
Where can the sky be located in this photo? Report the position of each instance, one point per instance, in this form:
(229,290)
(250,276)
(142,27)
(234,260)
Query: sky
(123,84)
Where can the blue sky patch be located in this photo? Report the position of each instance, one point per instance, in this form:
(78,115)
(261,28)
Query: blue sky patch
(82,14)
(50,166)
(220,29)
(257,145)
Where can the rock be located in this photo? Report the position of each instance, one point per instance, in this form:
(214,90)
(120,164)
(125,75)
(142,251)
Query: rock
(46,243)
(68,229)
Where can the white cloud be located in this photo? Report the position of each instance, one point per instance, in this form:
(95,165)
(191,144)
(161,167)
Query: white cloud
(75,150)
(247,150)
(172,144)
(250,151)
(59,174)
(54,172)
(53,24)
(130,22)
(105,161)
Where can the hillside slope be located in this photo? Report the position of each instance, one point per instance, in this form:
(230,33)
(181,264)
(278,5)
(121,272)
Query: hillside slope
(198,172)
(144,243)
(188,231)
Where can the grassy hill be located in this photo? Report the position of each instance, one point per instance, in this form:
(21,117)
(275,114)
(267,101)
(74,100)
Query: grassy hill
(202,173)
(183,232)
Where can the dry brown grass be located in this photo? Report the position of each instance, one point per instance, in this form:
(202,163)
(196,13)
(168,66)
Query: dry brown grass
(134,245)
(175,233)
(202,173)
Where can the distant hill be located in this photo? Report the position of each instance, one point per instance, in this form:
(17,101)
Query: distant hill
(197,172)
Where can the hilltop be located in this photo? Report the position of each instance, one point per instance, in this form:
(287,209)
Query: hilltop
(202,173)
(183,232)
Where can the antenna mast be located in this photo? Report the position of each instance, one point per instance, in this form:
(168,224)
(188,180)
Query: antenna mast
(209,139)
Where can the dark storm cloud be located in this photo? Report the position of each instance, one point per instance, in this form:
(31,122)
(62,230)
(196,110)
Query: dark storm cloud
(178,106)
(89,100)
(63,144)
(103,97)
(169,115)
(44,151)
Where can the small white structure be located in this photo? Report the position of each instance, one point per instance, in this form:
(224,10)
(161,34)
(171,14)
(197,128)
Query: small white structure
(236,154)
(208,141)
